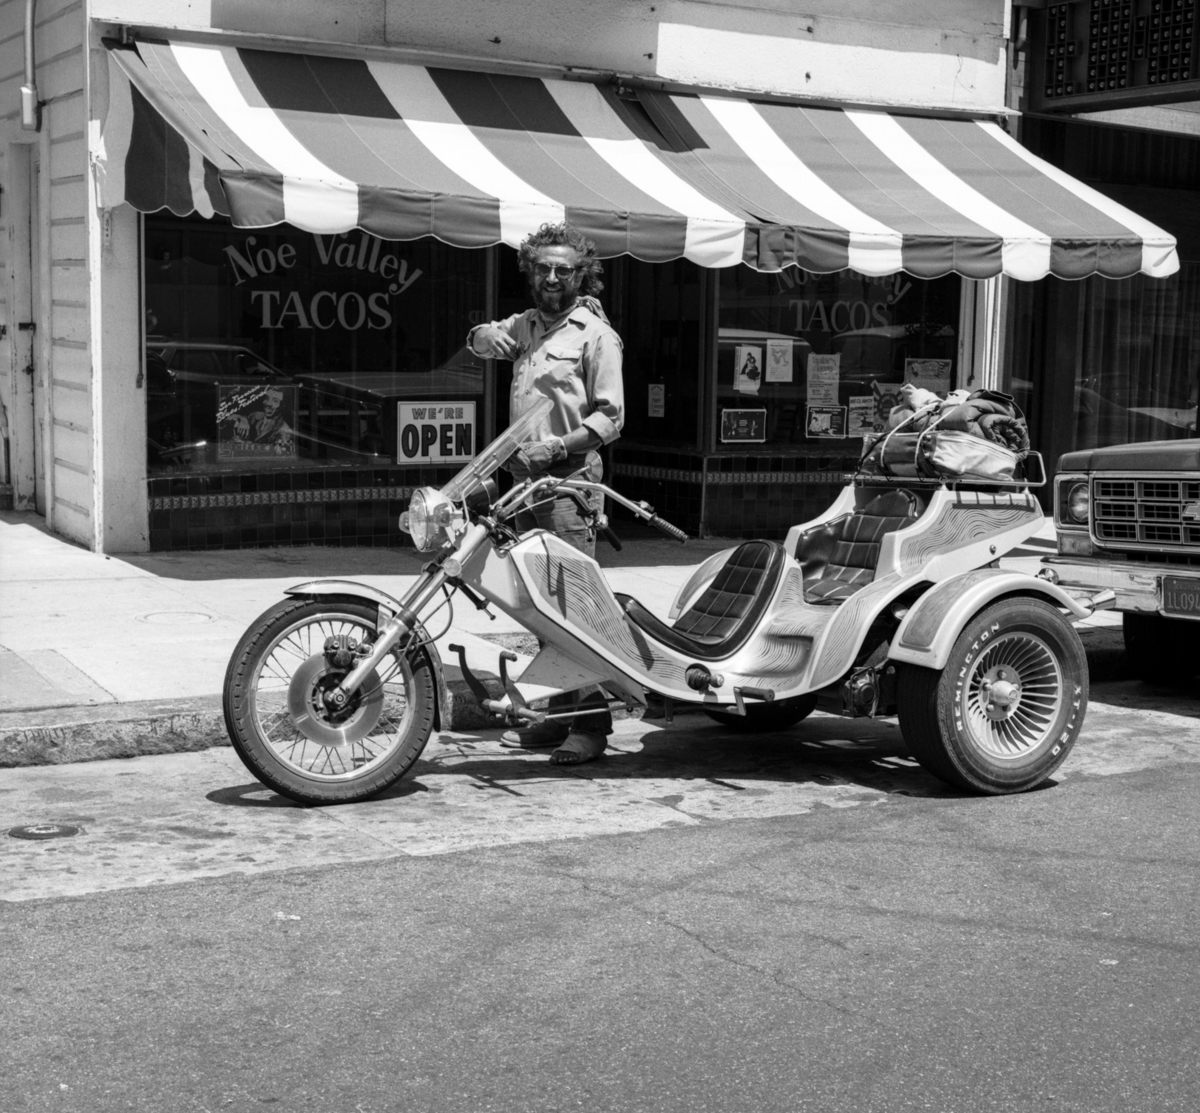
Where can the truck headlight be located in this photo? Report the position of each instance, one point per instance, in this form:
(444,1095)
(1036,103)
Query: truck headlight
(1079,503)
(428,515)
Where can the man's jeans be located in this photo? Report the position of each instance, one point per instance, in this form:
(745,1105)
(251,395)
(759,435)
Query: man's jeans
(561,517)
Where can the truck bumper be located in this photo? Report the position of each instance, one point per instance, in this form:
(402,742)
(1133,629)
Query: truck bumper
(1137,586)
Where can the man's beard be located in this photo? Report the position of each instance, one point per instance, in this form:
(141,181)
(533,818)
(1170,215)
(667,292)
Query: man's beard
(552,302)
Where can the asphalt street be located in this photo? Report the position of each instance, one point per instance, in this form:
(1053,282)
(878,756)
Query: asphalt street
(799,921)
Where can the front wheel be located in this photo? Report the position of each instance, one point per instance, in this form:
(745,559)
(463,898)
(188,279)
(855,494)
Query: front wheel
(1007,708)
(277,718)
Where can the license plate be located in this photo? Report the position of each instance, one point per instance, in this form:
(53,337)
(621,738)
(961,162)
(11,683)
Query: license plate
(1181,597)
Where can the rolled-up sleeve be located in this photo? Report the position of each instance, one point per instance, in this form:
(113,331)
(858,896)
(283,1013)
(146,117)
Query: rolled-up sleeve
(606,388)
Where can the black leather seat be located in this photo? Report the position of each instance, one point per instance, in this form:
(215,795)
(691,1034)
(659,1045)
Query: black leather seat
(724,616)
(840,557)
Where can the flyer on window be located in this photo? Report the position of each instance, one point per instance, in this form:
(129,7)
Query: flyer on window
(824,372)
(862,416)
(932,374)
(779,361)
(256,421)
(747,369)
(656,402)
(826,422)
(743,425)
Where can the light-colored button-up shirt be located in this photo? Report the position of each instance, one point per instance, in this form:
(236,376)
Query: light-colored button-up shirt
(576,361)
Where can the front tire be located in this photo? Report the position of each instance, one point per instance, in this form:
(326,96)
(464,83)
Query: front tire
(1161,650)
(1003,714)
(280,727)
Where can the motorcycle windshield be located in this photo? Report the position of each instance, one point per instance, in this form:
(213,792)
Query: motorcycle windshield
(490,459)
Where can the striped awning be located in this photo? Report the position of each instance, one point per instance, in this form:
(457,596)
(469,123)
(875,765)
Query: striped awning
(331,144)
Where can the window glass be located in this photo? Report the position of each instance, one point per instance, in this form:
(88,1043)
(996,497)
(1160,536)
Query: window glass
(276,348)
(1122,357)
(660,314)
(808,360)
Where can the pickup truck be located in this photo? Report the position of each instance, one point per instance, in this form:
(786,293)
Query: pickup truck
(1128,520)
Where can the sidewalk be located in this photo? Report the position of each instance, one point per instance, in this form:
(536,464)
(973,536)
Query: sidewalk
(117,656)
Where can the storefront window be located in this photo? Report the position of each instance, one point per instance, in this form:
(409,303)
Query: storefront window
(814,361)
(1122,356)
(278,348)
(660,314)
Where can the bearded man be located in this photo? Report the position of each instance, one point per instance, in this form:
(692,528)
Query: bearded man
(564,349)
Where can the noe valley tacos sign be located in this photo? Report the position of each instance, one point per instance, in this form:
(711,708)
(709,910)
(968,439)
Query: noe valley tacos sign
(323,309)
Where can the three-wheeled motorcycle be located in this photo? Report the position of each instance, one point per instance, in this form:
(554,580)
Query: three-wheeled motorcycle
(891,602)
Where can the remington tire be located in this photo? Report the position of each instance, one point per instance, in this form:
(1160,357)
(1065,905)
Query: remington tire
(762,718)
(279,724)
(1162,650)
(1004,713)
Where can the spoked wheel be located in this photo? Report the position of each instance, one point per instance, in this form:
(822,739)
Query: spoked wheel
(276,714)
(762,718)
(1007,708)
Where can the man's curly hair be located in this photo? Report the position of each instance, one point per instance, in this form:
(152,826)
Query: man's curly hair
(564,235)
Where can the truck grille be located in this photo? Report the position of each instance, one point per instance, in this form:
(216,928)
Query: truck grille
(1139,512)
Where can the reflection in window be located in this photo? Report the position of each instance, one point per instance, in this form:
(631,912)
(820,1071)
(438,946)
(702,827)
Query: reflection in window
(814,361)
(278,348)
(1134,372)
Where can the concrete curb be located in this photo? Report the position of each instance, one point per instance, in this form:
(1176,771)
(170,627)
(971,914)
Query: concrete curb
(55,736)
(66,734)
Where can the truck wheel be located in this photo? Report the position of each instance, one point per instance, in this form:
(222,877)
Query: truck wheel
(1162,650)
(762,718)
(1006,710)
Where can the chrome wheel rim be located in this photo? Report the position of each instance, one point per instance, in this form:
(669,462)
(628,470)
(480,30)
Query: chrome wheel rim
(1011,696)
(291,719)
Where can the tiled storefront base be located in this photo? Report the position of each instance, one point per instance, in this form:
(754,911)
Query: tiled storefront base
(329,507)
(730,496)
(717,496)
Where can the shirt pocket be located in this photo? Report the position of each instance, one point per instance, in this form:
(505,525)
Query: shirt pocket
(561,363)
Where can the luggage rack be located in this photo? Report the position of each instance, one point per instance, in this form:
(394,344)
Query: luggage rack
(1032,467)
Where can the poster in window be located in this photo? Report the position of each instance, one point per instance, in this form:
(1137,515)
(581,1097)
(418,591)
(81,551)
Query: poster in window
(747,363)
(887,397)
(825,422)
(435,432)
(656,402)
(932,374)
(823,374)
(862,417)
(779,361)
(256,421)
(749,426)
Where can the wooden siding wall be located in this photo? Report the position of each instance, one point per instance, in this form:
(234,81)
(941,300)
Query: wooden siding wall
(62,314)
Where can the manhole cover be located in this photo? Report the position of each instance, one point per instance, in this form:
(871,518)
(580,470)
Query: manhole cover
(43,831)
(175,618)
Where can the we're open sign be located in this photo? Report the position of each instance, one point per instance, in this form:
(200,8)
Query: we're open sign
(436,433)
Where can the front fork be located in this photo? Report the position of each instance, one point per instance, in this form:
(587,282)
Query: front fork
(400,625)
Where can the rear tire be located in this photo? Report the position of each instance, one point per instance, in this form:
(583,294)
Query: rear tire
(762,718)
(1162,651)
(1003,714)
(280,727)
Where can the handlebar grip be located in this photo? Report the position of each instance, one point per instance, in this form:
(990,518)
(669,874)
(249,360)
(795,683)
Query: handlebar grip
(671,531)
(611,538)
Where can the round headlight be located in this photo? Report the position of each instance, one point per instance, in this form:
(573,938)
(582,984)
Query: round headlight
(428,515)
(1079,503)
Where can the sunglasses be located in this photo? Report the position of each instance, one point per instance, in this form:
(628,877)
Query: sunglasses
(562,273)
